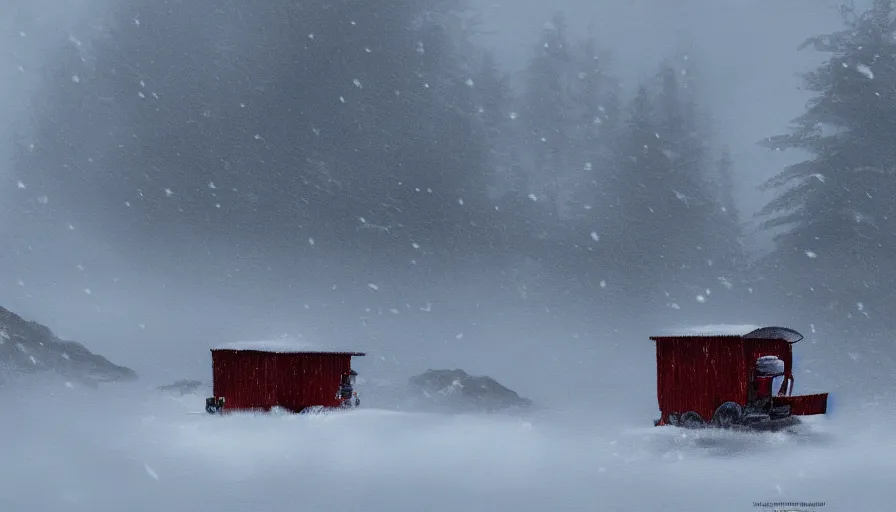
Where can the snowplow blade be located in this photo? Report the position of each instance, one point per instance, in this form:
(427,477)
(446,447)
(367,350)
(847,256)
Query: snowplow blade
(805,405)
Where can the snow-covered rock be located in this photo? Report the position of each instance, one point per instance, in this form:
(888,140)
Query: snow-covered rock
(459,391)
(29,347)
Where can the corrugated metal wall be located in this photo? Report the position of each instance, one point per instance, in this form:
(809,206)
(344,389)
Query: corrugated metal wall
(249,379)
(701,373)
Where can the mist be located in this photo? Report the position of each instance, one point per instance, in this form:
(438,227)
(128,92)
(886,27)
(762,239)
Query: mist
(521,190)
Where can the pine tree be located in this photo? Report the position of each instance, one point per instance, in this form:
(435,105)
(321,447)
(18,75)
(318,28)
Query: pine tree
(596,125)
(324,114)
(637,231)
(548,114)
(836,208)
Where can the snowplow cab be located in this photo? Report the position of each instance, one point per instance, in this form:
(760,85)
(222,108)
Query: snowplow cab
(724,377)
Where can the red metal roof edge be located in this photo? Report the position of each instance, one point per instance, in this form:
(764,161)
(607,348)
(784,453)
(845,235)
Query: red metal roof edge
(315,352)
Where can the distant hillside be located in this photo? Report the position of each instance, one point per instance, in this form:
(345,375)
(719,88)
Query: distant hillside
(30,347)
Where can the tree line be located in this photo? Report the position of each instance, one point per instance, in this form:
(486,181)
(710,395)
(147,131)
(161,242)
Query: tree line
(377,132)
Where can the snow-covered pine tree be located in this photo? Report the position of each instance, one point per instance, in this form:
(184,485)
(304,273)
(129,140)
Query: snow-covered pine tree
(835,210)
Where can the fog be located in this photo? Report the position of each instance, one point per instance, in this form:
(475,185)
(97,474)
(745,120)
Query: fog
(178,175)
(123,448)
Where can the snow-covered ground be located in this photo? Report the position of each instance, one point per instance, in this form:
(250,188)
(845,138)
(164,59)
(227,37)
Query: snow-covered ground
(126,448)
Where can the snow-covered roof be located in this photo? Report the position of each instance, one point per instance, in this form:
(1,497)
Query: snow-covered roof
(744,331)
(711,330)
(285,346)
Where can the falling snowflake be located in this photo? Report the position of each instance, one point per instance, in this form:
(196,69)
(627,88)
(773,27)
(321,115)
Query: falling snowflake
(76,79)
(211,185)
(811,254)
(311,241)
(43,199)
(373,286)
(357,83)
(588,166)
(459,336)
(533,197)
(603,284)
(865,70)
(168,192)
(595,236)
(20,185)
(87,291)
(514,115)
(469,82)
(701,299)
(150,472)
(415,245)
(460,201)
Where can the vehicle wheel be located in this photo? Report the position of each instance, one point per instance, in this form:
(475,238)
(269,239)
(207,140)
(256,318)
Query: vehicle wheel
(691,419)
(673,419)
(727,415)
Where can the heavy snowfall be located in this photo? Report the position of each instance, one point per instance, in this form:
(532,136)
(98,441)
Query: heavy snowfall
(511,193)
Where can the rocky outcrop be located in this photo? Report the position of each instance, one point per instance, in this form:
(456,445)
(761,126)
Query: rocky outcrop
(459,391)
(30,347)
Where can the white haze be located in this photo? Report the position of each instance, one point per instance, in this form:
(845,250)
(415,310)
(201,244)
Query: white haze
(128,448)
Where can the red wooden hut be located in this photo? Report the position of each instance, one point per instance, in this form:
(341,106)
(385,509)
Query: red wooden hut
(256,379)
(720,378)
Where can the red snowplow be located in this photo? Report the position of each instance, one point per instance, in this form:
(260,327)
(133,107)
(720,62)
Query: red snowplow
(730,380)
